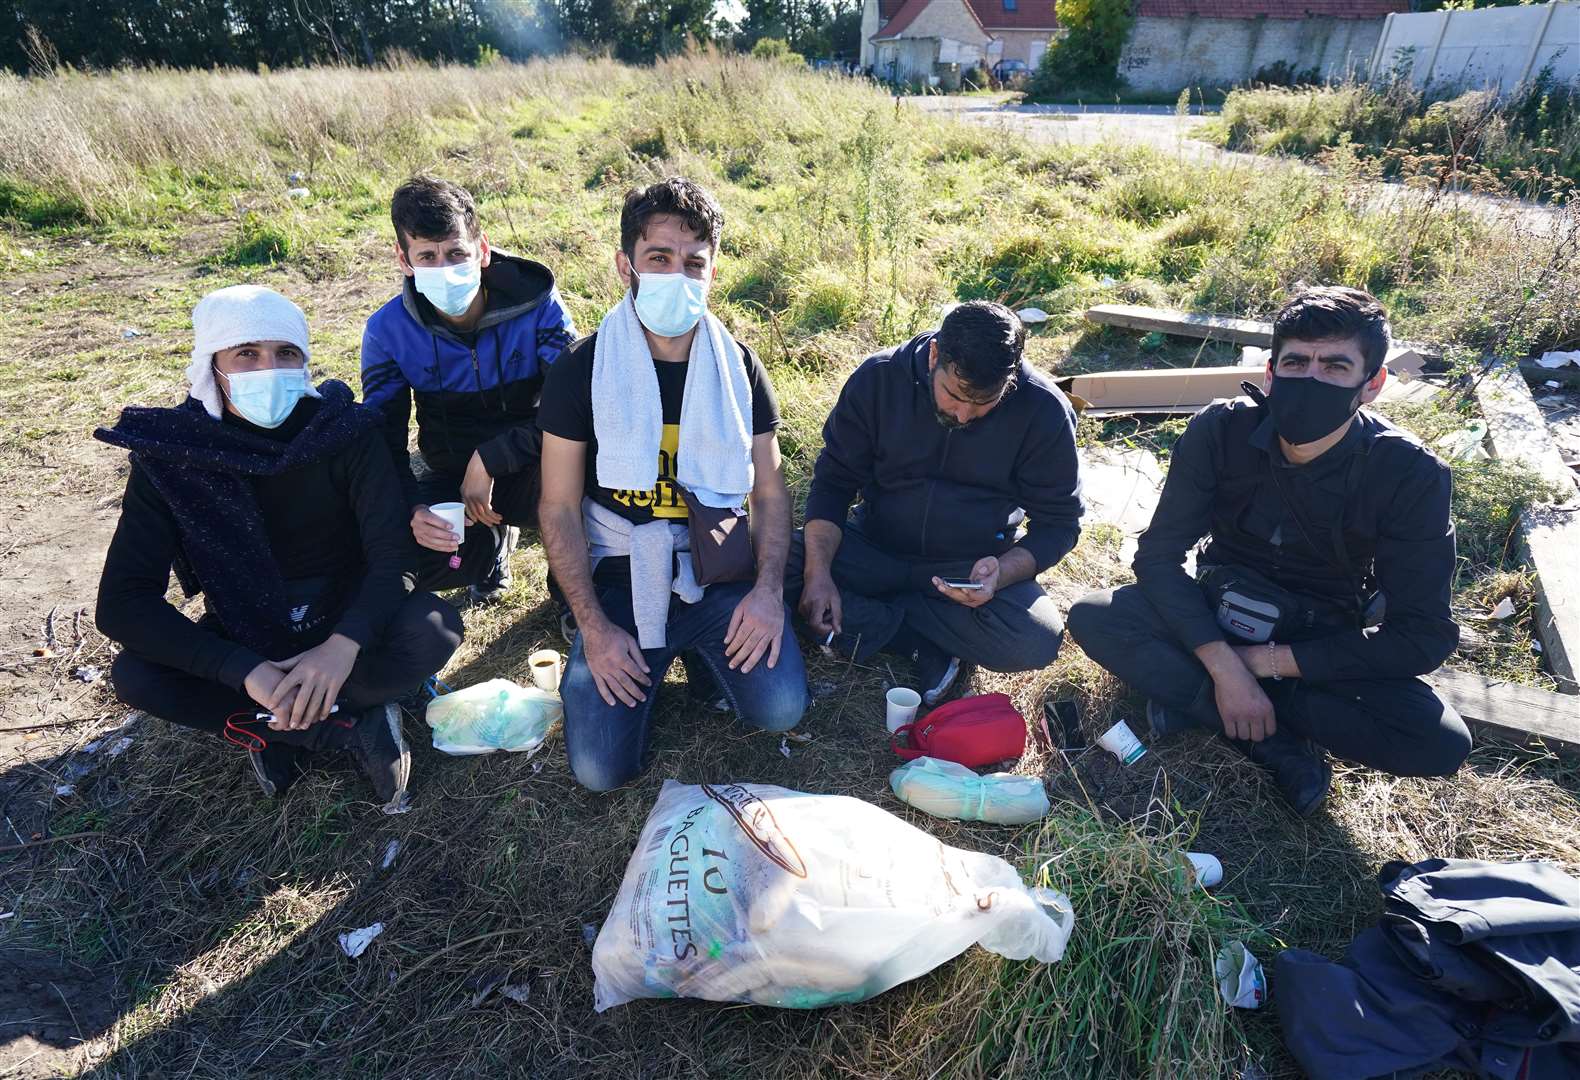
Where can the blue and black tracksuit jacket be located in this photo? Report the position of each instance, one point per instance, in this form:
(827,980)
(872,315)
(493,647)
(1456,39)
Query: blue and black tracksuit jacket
(474,392)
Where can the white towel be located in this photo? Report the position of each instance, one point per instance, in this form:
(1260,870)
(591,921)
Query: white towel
(715,452)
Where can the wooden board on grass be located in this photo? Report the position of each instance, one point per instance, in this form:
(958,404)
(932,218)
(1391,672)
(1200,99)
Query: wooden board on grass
(1515,712)
(1185,324)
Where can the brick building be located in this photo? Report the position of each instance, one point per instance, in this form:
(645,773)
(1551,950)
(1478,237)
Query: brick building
(1180,43)
(904,39)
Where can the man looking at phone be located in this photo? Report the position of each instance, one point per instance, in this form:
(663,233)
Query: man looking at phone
(1324,592)
(964,458)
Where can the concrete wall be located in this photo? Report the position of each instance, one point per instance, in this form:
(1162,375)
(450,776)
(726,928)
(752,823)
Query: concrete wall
(1492,47)
(905,59)
(949,20)
(1018,44)
(869,26)
(1165,55)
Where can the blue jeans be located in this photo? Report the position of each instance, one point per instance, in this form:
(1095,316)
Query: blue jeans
(606,742)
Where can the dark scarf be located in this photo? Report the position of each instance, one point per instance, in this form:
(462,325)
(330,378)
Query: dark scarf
(200,467)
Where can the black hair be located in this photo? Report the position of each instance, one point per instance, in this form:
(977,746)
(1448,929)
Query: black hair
(1333,313)
(686,199)
(982,342)
(427,208)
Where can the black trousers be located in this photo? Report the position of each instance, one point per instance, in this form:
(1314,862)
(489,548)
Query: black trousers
(483,556)
(881,593)
(417,642)
(1397,726)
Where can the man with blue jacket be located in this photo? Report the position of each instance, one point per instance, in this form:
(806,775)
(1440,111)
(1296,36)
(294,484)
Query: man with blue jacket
(469,339)
(964,459)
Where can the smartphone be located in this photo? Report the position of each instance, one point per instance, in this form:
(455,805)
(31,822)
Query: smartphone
(961,583)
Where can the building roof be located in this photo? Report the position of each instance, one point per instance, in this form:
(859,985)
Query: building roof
(1272,9)
(1027,15)
(991,15)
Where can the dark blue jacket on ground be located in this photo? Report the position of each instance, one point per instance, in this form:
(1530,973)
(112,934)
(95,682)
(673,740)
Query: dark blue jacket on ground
(474,392)
(931,492)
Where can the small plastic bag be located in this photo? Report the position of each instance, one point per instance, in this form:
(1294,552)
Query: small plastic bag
(948,790)
(495,715)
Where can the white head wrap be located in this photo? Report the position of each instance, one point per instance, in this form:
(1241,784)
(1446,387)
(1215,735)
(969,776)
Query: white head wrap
(235,316)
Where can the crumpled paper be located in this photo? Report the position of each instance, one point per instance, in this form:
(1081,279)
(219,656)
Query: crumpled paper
(1240,977)
(355,942)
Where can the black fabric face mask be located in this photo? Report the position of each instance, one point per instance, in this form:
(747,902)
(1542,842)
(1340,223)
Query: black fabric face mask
(1306,409)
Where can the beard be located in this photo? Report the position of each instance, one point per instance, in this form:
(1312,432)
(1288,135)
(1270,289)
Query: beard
(949,423)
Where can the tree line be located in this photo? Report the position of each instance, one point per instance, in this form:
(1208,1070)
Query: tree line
(37,36)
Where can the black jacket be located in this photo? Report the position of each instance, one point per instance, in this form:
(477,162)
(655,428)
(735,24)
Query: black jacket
(934,493)
(1391,495)
(1474,965)
(340,521)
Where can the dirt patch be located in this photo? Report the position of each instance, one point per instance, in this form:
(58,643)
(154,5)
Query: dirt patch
(49,1009)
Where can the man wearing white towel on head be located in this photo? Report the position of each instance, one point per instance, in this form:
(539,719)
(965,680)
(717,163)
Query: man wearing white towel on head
(659,415)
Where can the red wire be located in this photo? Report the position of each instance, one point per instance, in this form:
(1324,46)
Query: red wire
(237,735)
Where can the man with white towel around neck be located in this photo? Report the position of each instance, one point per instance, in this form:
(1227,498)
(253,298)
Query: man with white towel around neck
(659,402)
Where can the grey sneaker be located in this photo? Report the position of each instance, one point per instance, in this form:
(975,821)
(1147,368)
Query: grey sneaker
(936,672)
(380,752)
(276,767)
(493,588)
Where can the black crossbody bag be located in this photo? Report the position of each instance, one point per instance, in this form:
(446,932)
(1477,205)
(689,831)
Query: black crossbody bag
(1251,606)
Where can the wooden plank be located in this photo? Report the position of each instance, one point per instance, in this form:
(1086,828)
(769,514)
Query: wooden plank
(1184,324)
(1403,356)
(1551,536)
(1516,712)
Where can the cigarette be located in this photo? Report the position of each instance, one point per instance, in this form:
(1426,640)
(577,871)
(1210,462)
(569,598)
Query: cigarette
(269,716)
(829,640)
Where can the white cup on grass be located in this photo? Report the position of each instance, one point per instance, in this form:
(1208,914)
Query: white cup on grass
(546,667)
(1120,741)
(902,704)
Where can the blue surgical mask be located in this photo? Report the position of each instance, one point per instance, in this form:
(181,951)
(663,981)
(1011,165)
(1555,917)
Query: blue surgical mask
(669,305)
(267,397)
(451,289)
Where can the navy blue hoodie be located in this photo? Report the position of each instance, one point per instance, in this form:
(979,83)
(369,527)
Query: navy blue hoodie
(930,492)
(474,392)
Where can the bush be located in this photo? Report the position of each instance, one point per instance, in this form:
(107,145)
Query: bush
(259,242)
(777,49)
(1087,55)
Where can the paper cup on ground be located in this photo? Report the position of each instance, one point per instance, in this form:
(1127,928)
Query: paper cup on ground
(902,703)
(1207,870)
(1120,741)
(546,667)
(1240,977)
(454,515)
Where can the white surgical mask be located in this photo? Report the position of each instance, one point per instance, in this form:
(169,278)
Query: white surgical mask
(669,304)
(266,398)
(451,289)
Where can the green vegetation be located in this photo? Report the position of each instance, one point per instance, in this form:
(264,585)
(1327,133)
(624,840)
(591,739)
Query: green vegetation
(849,223)
(1086,55)
(1529,141)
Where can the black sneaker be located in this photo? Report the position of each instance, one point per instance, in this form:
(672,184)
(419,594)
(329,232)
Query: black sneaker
(380,752)
(493,588)
(701,684)
(1166,721)
(1300,768)
(936,672)
(276,767)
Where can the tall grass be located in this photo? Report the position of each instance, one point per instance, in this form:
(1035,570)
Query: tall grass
(1529,139)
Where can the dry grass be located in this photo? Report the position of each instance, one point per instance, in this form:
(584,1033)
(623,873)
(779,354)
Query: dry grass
(216,912)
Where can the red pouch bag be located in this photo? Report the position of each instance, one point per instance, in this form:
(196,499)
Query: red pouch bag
(972,731)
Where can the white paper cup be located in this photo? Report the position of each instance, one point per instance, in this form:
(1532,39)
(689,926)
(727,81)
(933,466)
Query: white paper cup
(546,667)
(1120,741)
(902,705)
(1207,868)
(454,515)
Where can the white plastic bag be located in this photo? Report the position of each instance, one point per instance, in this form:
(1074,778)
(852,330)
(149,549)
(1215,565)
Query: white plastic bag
(495,715)
(948,789)
(748,892)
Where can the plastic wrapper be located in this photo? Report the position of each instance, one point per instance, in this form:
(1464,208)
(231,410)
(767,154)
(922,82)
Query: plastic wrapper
(494,715)
(948,790)
(748,892)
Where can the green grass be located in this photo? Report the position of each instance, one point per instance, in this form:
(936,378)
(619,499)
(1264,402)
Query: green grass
(848,225)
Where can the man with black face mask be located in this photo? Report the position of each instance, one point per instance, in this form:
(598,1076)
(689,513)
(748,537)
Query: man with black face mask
(1323,592)
(964,458)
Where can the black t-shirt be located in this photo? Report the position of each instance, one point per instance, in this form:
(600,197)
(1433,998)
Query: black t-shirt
(566,410)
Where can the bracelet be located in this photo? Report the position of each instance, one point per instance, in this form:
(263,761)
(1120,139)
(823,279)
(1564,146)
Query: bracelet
(1272,661)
